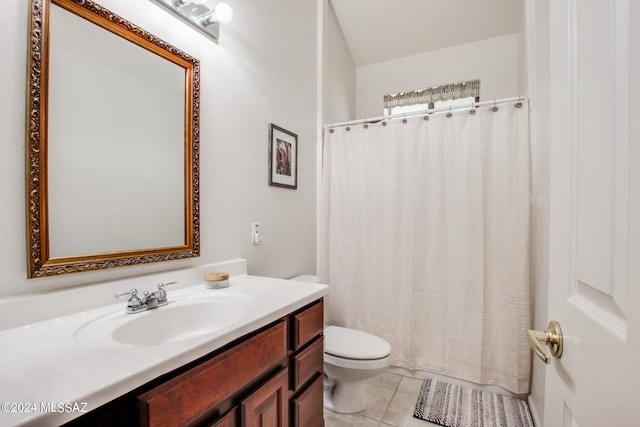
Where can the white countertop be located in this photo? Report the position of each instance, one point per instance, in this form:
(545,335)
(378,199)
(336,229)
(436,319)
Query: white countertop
(48,377)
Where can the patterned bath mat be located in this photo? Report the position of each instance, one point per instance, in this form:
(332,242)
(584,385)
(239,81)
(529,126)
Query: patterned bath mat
(454,406)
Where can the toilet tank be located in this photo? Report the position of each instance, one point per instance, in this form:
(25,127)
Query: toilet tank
(307,278)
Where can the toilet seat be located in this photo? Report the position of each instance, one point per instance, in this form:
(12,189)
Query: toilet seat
(345,343)
(356,364)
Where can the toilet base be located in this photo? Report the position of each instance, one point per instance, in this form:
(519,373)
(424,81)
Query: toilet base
(345,397)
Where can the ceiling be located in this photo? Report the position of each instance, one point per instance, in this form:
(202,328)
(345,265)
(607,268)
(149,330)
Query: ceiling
(381,30)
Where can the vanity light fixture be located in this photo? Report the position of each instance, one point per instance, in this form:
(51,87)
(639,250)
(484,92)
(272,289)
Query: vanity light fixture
(197,14)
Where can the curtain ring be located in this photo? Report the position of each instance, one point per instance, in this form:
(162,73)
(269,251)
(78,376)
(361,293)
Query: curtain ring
(473,110)
(404,118)
(384,123)
(426,114)
(366,125)
(449,114)
(519,103)
(330,130)
(348,127)
(495,107)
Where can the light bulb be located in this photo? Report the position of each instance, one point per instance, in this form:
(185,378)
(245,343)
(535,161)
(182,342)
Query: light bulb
(222,13)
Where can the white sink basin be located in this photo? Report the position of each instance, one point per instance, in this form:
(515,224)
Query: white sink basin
(182,319)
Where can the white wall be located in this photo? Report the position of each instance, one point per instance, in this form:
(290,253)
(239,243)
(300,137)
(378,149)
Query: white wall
(537,35)
(494,61)
(264,70)
(339,79)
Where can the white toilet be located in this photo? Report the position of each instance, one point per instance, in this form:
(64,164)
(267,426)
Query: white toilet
(350,358)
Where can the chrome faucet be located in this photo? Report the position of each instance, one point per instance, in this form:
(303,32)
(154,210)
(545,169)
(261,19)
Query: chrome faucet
(149,301)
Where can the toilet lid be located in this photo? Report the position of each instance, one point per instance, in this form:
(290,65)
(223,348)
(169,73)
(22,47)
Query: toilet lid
(353,344)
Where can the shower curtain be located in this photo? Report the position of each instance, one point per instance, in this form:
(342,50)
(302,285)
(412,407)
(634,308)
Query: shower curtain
(424,240)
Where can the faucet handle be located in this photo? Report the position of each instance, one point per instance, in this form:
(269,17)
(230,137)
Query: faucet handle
(134,304)
(161,286)
(162,294)
(133,292)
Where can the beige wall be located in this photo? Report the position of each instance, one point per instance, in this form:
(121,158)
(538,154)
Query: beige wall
(263,71)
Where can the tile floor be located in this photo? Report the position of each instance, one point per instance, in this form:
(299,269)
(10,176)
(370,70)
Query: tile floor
(391,399)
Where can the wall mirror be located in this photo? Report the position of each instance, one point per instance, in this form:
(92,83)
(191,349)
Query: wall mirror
(112,143)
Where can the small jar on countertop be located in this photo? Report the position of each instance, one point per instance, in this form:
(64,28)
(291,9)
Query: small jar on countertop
(216,280)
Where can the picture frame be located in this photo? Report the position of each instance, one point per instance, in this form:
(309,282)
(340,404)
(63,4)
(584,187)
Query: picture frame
(283,157)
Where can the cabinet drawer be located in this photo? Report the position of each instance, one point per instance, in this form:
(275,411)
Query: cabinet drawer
(307,363)
(307,408)
(307,325)
(198,390)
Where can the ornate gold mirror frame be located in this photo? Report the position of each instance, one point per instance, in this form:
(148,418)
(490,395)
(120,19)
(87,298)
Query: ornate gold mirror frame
(40,261)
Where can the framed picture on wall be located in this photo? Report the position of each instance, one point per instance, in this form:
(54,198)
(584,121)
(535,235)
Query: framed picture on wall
(283,157)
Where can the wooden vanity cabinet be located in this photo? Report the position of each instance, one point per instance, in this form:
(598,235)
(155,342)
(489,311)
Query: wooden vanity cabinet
(192,395)
(306,357)
(271,377)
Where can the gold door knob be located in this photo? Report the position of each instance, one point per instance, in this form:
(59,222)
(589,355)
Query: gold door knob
(552,337)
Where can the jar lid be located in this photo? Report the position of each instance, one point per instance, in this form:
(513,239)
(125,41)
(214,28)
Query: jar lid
(216,276)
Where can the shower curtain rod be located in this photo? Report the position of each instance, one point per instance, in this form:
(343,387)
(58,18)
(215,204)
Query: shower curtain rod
(495,102)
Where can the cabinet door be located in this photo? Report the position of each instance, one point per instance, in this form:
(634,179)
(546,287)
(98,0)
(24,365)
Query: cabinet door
(308,407)
(229,420)
(267,406)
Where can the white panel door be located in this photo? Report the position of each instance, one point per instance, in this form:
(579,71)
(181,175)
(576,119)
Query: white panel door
(594,270)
